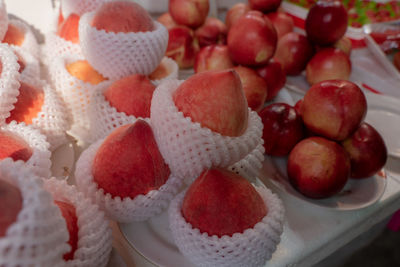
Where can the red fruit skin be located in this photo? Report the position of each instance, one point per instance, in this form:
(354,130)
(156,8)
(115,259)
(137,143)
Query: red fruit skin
(216,100)
(252,28)
(396,60)
(191,13)
(132,95)
(265,5)
(221,203)
(318,167)
(297,106)
(167,20)
(254,87)
(10,205)
(69,29)
(182,46)
(128,163)
(326,22)
(328,64)
(275,77)
(213,31)
(283,128)
(213,57)
(68,211)
(367,150)
(14,147)
(293,52)
(282,22)
(234,13)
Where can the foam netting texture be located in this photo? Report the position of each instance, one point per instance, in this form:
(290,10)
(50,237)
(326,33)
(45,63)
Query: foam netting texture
(52,120)
(32,65)
(188,148)
(3,20)
(39,235)
(173,70)
(76,95)
(125,210)
(94,235)
(116,55)
(55,47)
(253,247)
(39,162)
(9,84)
(30,43)
(80,7)
(104,118)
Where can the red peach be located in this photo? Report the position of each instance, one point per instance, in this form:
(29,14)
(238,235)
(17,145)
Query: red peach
(221,203)
(10,205)
(14,36)
(191,13)
(213,57)
(167,20)
(275,77)
(12,146)
(131,95)
(182,46)
(344,44)
(234,13)
(160,72)
(82,70)
(216,100)
(282,22)
(213,31)
(68,30)
(128,163)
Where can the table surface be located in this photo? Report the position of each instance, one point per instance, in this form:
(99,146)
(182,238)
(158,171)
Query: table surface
(311,233)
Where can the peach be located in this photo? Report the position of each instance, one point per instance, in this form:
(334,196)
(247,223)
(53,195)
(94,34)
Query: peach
(234,13)
(213,57)
(122,16)
(68,212)
(68,29)
(344,44)
(160,72)
(275,77)
(29,103)
(167,20)
(132,95)
(220,202)
(265,6)
(213,31)
(254,87)
(216,100)
(282,22)
(10,205)
(191,13)
(14,36)
(182,46)
(82,70)
(334,108)
(128,163)
(328,64)
(14,147)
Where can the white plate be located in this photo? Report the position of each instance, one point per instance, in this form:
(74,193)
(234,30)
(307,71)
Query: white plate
(357,194)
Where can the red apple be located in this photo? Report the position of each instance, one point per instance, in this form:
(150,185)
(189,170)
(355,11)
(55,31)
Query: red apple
(234,13)
(10,205)
(131,95)
(283,128)
(328,64)
(167,20)
(326,22)
(254,87)
(213,31)
(213,57)
(318,167)
(220,202)
(216,100)
(68,30)
(367,150)
(12,146)
(265,5)
(396,60)
(29,103)
(282,22)
(275,77)
(128,163)
(68,212)
(344,44)
(334,108)
(293,52)
(191,13)
(182,46)
(252,42)
(122,16)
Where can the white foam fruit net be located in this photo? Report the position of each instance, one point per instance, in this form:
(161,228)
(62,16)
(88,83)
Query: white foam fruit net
(55,47)
(39,162)
(32,66)
(39,236)
(125,210)
(80,7)
(94,235)
(187,147)
(173,70)
(3,19)
(253,247)
(116,55)
(52,120)
(9,84)
(76,95)
(30,43)
(105,118)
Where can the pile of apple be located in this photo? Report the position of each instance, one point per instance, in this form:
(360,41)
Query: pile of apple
(325,138)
